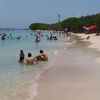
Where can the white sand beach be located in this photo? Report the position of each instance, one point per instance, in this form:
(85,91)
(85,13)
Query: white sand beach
(75,76)
(94,40)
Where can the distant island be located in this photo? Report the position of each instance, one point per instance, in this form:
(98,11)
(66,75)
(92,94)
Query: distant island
(73,23)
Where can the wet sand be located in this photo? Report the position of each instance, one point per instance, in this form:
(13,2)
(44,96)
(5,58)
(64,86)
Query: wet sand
(74,76)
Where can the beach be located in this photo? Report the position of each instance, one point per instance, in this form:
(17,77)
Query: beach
(94,40)
(20,81)
(75,75)
(71,72)
(49,50)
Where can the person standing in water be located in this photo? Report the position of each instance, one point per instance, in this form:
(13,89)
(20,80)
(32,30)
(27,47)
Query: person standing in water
(30,60)
(22,56)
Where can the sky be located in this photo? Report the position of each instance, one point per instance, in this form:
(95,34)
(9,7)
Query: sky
(21,13)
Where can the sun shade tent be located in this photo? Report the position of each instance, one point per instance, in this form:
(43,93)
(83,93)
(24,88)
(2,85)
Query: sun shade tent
(93,27)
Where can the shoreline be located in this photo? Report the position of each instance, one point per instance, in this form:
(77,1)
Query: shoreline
(94,42)
(71,78)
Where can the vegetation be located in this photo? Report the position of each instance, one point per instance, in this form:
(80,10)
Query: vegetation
(40,26)
(73,23)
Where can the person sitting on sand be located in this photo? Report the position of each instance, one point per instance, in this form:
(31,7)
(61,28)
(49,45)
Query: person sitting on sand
(30,60)
(21,58)
(41,57)
(88,37)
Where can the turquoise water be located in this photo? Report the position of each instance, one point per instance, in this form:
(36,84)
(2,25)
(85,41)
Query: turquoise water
(19,81)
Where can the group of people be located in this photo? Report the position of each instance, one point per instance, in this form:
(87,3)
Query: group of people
(51,37)
(30,59)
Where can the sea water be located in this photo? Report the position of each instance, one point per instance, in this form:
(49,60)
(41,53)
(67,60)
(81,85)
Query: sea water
(20,81)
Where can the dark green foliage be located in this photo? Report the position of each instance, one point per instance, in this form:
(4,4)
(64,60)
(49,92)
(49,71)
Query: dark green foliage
(40,26)
(73,23)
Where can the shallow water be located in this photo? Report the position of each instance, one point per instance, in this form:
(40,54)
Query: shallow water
(19,81)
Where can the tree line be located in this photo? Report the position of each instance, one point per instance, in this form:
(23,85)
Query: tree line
(73,23)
